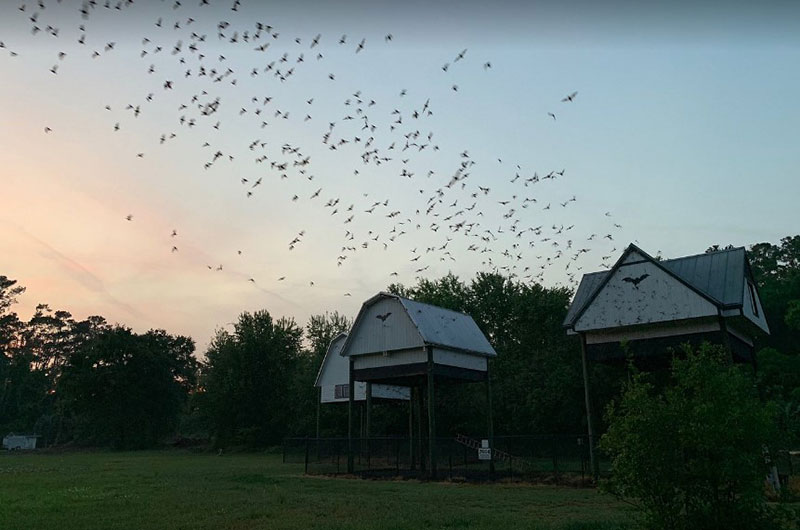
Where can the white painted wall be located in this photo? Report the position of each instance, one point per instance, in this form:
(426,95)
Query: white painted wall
(335,368)
(747,309)
(336,371)
(651,332)
(659,297)
(391,358)
(371,335)
(14,442)
(461,360)
(401,393)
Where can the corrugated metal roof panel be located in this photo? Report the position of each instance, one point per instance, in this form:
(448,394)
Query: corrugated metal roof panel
(720,275)
(444,327)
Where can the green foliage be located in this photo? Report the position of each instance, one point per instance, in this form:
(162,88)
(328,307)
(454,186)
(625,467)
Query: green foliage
(690,453)
(536,378)
(127,390)
(322,329)
(779,382)
(248,378)
(792,317)
(22,390)
(776,269)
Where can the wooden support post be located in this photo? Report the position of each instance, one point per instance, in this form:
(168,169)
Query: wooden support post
(367,423)
(419,431)
(490,430)
(319,408)
(319,402)
(351,395)
(726,338)
(411,428)
(369,409)
(586,393)
(431,416)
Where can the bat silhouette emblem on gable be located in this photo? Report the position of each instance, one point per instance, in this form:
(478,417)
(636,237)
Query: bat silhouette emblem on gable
(635,281)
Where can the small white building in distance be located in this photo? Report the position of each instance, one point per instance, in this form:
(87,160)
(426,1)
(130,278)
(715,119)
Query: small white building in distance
(334,379)
(13,442)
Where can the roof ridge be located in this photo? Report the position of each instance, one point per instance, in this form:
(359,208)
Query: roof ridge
(401,298)
(720,251)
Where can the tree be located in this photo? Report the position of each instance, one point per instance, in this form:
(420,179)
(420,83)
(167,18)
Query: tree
(792,317)
(9,322)
(536,379)
(20,389)
(779,382)
(690,454)
(127,390)
(247,380)
(322,329)
(776,269)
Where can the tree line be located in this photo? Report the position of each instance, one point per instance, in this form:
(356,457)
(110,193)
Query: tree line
(93,383)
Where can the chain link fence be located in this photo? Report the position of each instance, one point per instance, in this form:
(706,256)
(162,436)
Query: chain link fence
(562,459)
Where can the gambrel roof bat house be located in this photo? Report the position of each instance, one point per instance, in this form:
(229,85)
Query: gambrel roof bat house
(398,341)
(393,339)
(652,305)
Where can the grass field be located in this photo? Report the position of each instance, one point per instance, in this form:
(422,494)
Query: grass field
(181,490)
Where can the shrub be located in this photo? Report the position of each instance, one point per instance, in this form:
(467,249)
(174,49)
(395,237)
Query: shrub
(690,452)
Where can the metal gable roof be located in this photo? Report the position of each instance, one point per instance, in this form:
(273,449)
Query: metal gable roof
(717,275)
(436,326)
(450,329)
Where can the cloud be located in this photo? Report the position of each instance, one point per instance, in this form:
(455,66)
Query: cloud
(76,271)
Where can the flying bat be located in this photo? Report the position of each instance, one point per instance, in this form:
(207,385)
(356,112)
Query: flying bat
(570,97)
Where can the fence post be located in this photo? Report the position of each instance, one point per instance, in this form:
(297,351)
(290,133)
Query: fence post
(419,455)
(351,390)
(431,414)
(490,429)
(411,428)
(588,399)
(284,450)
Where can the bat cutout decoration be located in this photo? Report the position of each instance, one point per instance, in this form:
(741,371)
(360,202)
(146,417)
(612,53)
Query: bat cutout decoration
(635,281)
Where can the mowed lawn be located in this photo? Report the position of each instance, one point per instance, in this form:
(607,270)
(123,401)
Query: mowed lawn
(182,490)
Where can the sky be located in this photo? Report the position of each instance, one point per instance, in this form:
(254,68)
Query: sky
(682,134)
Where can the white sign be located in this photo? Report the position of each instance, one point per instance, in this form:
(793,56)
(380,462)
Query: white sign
(484,453)
(485,443)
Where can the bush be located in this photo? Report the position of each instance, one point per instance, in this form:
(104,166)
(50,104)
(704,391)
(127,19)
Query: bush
(690,453)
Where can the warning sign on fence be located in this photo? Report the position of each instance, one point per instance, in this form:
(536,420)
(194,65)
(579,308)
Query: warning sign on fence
(484,453)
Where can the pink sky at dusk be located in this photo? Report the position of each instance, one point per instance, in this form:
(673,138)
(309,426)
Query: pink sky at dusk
(684,133)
